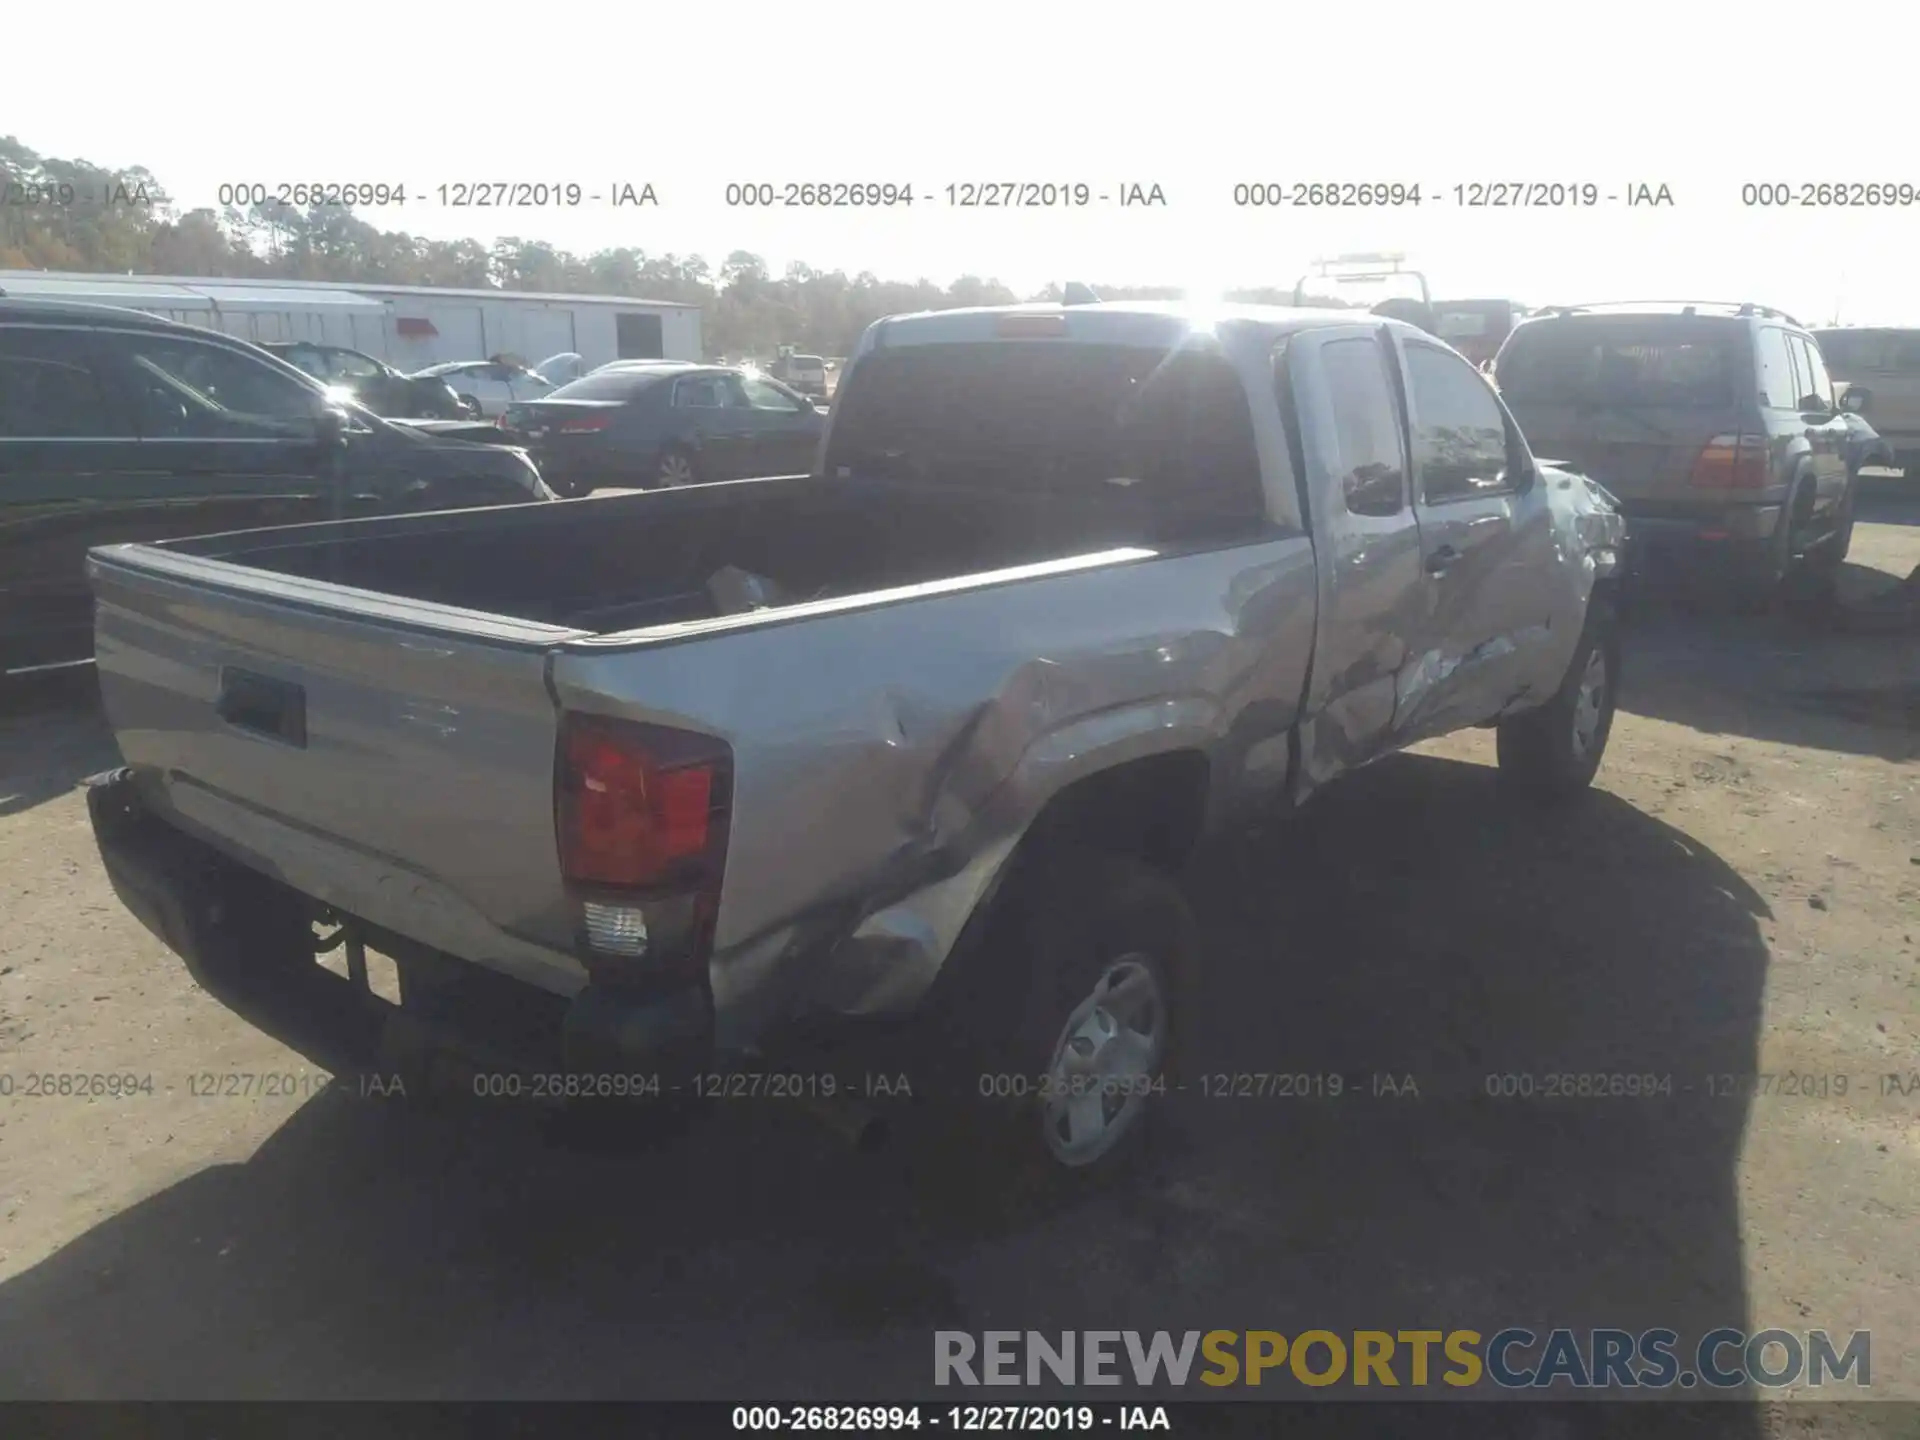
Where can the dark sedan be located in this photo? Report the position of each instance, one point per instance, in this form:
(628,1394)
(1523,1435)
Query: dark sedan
(664,424)
(373,383)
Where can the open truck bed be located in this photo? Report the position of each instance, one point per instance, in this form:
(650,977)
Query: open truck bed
(1071,585)
(369,711)
(634,562)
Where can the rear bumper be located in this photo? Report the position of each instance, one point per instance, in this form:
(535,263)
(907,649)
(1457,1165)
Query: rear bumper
(1735,540)
(247,940)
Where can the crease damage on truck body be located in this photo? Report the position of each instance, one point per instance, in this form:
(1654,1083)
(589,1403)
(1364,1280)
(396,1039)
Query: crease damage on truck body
(870,824)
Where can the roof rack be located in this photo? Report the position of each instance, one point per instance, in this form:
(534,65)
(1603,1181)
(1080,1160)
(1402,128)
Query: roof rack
(1367,268)
(1687,307)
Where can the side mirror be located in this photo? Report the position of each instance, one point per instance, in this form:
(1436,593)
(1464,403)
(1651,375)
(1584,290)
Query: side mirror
(1855,399)
(330,427)
(1815,405)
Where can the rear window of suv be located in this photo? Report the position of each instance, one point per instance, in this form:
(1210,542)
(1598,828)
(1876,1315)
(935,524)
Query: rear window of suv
(1627,361)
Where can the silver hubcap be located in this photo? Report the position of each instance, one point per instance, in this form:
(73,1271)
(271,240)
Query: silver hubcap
(1103,1063)
(676,470)
(1589,704)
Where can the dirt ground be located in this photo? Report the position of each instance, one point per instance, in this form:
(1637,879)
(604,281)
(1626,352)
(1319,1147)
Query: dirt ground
(1739,898)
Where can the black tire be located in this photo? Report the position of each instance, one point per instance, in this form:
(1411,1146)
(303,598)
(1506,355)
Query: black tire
(672,455)
(1066,921)
(1830,554)
(1540,757)
(1758,589)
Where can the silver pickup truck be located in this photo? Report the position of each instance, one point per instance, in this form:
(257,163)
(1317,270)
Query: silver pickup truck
(655,784)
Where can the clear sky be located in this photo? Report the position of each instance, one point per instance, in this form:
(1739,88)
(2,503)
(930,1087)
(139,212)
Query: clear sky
(1193,97)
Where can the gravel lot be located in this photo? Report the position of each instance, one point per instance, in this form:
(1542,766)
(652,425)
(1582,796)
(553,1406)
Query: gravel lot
(1740,897)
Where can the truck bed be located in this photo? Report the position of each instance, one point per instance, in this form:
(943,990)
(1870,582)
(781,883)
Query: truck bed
(368,710)
(617,563)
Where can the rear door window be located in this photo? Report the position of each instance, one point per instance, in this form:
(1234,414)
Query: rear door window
(1627,362)
(1373,461)
(1814,373)
(187,389)
(699,393)
(1778,383)
(49,391)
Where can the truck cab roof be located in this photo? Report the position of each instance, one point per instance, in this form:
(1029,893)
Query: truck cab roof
(1116,321)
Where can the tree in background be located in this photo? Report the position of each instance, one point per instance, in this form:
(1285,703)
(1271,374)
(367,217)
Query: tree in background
(748,310)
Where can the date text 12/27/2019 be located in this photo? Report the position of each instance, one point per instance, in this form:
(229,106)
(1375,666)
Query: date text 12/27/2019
(1030,1419)
(1467,195)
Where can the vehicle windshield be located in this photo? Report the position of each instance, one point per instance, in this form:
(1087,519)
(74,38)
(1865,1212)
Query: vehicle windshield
(1624,362)
(1051,418)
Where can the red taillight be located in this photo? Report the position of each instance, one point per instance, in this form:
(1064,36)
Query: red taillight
(1732,462)
(639,806)
(585,424)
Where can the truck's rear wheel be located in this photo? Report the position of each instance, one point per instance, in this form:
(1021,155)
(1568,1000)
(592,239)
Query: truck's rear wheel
(1553,752)
(1830,554)
(1094,956)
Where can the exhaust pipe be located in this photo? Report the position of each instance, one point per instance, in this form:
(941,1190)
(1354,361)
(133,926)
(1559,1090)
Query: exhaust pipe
(858,1125)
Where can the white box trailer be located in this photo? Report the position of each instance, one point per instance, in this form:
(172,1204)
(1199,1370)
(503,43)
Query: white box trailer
(431,325)
(254,312)
(408,326)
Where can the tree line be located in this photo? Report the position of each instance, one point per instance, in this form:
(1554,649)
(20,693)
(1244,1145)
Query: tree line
(63,214)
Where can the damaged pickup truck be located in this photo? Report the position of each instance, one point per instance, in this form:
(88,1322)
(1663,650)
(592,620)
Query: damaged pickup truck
(1068,587)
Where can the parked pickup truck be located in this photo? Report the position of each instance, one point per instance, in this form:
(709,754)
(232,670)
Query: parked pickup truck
(647,784)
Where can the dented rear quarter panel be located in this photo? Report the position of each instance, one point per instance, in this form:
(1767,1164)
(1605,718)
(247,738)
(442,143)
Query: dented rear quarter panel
(887,758)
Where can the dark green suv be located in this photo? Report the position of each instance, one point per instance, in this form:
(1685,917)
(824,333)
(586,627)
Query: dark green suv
(1717,427)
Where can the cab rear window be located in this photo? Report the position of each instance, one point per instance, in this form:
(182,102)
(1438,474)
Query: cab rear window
(1627,362)
(1168,431)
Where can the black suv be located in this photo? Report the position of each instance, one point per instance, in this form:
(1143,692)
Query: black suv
(374,383)
(116,426)
(1715,425)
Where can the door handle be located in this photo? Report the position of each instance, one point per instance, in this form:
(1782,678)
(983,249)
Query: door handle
(1441,560)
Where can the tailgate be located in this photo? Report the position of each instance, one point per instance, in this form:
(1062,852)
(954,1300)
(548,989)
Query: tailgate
(392,758)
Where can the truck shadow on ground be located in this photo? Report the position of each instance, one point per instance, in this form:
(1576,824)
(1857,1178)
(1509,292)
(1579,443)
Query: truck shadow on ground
(53,735)
(1410,926)
(1794,676)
